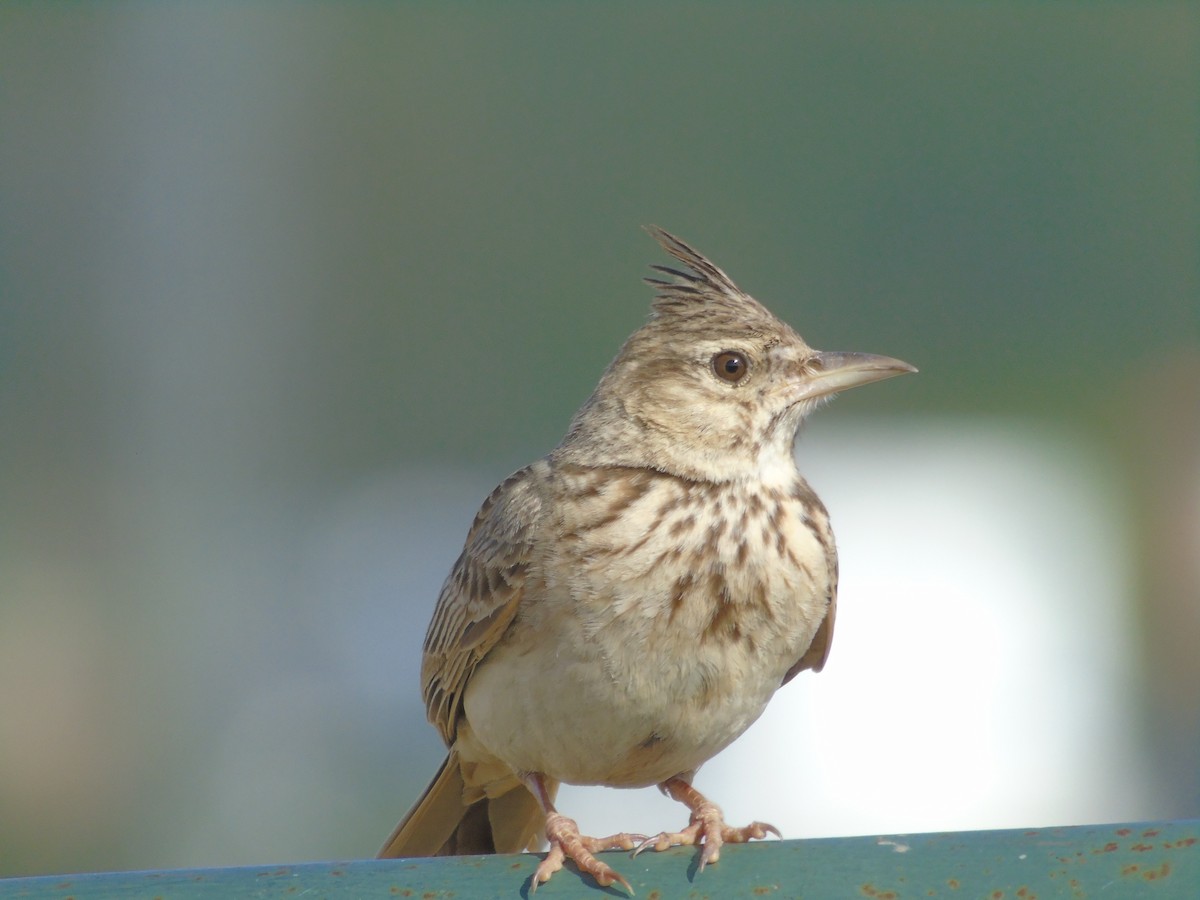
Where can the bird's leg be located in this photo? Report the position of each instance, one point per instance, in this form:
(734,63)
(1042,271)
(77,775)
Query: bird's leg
(706,825)
(567,843)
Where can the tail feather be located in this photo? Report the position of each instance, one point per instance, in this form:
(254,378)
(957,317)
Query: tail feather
(433,820)
(518,822)
(441,823)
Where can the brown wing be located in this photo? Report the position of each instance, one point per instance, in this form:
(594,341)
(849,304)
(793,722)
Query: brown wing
(818,651)
(480,596)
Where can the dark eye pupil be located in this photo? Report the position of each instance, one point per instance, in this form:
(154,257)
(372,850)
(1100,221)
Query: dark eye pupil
(730,366)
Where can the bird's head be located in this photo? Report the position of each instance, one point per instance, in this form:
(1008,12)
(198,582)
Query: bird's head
(713,386)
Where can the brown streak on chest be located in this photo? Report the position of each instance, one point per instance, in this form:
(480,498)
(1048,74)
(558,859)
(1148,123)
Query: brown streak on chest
(727,613)
(615,491)
(723,616)
(679,594)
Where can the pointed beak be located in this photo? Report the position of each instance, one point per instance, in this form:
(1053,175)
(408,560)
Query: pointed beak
(831,372)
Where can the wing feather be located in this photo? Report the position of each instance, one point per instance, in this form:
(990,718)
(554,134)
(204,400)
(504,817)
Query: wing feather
(481,594)
(817,653)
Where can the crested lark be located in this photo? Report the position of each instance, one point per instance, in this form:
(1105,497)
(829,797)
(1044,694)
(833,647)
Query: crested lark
(625,607)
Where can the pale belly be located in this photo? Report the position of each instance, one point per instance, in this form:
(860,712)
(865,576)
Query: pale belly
(648,663)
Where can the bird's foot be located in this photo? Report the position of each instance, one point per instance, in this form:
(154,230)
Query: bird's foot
(706,827)
(567,843)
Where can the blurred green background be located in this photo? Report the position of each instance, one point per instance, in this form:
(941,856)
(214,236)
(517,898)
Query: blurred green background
(261,263)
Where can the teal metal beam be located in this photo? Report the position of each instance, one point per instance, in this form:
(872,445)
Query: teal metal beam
(1147,860)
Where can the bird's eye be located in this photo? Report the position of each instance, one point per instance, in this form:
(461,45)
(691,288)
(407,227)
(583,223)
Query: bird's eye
(731,366)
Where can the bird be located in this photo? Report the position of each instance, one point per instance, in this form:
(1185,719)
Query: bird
(625,607)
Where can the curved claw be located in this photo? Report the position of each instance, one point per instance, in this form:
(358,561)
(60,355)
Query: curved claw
(709,830)
(761,830)
(566,841)
(667,839)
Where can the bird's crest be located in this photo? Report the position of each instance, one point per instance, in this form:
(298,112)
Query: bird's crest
(706,285)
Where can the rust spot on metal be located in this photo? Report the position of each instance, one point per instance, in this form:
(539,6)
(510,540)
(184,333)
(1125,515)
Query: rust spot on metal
(763,889)
(1025,893)
(1180,844)
(654,895)
(869,890)
(1151,832)
(1130,869)
(996,895)
(1161,872)
(952,884)
(1142,848)
(1124,832)
(1110,847)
